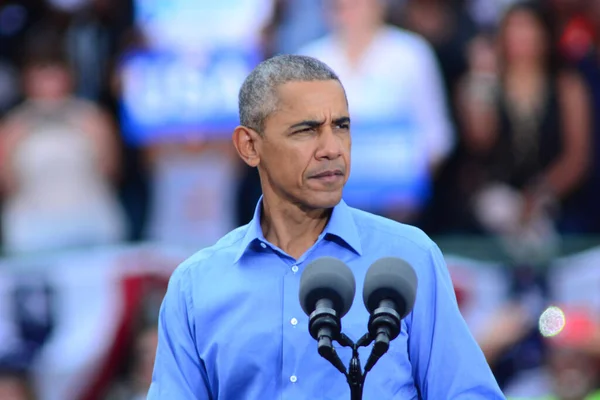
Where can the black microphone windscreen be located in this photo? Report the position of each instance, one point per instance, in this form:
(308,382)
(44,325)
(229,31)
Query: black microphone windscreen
(393,279)
(327,278)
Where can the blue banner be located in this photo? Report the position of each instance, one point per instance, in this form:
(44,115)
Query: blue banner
(168,97)
(389,165)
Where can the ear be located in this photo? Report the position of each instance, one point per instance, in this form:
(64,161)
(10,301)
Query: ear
(245,141)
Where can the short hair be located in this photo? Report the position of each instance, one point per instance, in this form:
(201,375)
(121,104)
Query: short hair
(258,96)
(44,47)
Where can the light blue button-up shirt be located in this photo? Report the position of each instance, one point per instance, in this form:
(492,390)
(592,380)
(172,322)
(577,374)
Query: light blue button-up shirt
(231,326)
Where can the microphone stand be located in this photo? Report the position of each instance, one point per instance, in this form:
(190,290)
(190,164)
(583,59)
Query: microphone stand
(325,327)
(355,375)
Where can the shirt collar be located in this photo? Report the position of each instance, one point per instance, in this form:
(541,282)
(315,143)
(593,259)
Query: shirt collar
(341,225)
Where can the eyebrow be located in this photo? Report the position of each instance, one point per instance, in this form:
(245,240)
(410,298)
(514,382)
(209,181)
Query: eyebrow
(316,124)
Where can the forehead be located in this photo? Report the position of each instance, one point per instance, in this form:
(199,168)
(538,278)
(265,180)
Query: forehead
(523,16)
(312,99)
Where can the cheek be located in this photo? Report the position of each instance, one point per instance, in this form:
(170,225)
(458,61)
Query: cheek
(524,40)
(347,146)
(285,167)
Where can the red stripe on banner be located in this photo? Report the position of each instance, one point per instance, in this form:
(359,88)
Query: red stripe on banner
(133,292)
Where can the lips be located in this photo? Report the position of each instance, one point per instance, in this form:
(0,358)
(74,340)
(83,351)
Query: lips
(328,174)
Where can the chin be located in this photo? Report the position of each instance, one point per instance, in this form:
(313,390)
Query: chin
(324,200)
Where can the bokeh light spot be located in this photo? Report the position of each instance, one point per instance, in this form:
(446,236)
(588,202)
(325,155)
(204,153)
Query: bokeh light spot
(552,321)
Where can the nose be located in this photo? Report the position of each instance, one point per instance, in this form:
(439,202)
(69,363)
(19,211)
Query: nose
(330,145)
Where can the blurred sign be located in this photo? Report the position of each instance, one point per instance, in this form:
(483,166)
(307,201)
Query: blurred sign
(191,25)
(168,97)
(192,198)
(389,166)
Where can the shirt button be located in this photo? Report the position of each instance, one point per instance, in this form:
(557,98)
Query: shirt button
(293,378)
(295,269)
(264,246)
(294,321)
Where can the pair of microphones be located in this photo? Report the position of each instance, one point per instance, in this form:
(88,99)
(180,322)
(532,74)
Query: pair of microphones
(327,290)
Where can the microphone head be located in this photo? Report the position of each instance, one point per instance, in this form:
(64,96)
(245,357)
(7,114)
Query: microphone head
(390,278)
(327,278)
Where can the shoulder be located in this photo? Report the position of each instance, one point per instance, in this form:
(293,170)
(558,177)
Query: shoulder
(18,113)
(218,256)
(15,123)
(376,228)
(409,49)
(409,41)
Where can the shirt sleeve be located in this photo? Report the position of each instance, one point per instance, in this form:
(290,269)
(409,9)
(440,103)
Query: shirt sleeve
(178,370)
(447,362)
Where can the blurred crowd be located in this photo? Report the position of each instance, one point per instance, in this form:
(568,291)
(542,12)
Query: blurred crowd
(469,117)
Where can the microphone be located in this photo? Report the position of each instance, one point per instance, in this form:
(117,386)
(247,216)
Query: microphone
(389,295)
(327,289)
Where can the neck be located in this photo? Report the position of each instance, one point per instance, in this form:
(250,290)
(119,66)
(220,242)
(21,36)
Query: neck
(517,69)
(291,227)
(356,41)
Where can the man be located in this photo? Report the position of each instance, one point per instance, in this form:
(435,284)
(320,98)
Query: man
(231,325)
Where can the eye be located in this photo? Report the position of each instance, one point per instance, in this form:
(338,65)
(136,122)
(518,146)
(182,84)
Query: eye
(305,130)
(344,126)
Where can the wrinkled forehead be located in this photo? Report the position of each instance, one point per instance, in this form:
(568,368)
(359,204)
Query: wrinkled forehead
(311,99)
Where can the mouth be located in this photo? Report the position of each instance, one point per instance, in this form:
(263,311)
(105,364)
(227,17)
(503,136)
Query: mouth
(329,176)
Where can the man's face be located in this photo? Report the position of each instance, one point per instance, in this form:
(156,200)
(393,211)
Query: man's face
(48,82)
(305,149)
(354,13)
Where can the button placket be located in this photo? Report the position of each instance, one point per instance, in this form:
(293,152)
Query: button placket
(293,335)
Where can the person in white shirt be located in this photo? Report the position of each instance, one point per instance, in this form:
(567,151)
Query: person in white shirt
(401,125)
(59,164)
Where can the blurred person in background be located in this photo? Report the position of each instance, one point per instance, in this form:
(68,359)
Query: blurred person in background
(526,123)
(487,13)
(574,30)
(133,381)
(573,359)
(92,38)
(402,131)
(139,378)
(585,218)
(9,88)
(449,28)
(510,336)
(296,23)
(15,385)
(60,160)
(16,381)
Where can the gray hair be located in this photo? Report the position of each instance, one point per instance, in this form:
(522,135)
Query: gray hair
(258,97)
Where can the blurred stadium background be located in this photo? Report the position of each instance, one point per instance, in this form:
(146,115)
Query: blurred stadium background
(476,120)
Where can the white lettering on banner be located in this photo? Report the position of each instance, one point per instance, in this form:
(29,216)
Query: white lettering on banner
(141,94)
(176,89)
(165,93)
